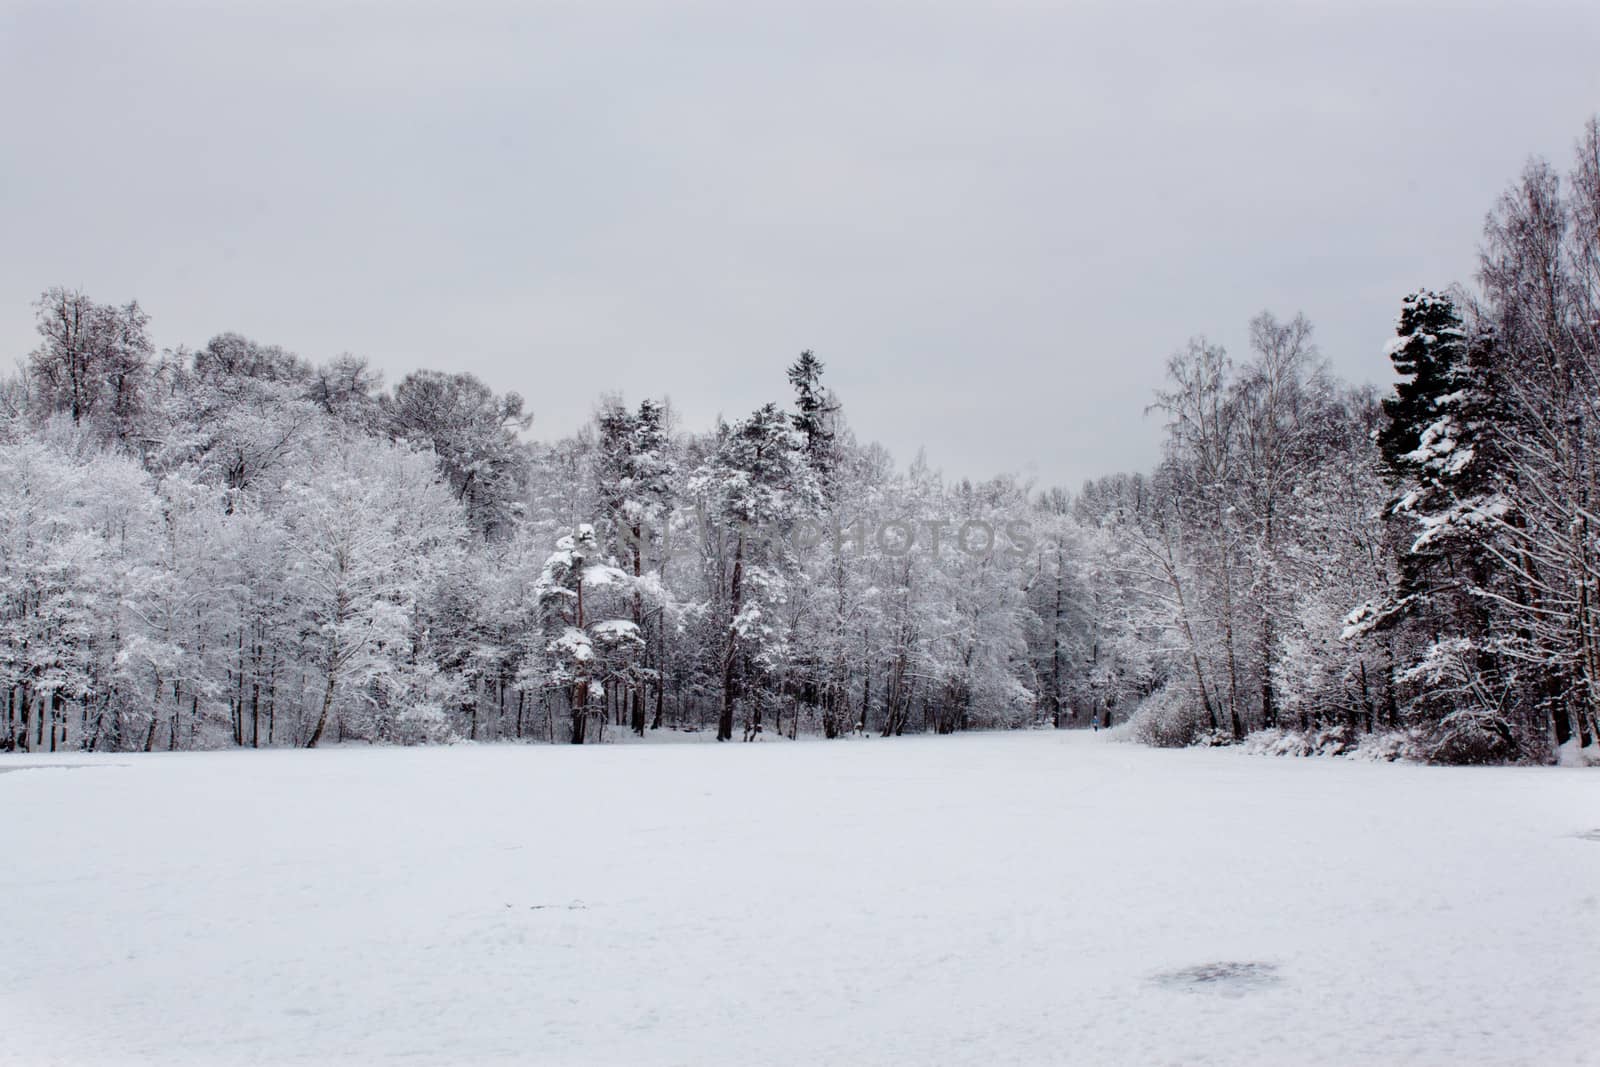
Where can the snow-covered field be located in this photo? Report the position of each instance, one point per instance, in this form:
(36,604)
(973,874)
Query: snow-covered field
(1037,898)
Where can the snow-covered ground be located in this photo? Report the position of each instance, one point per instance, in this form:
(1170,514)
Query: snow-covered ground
(1037,898)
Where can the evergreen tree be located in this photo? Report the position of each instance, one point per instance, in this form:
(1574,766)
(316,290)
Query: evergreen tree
(758,483)
(1440,451)
(574,578)
(1427,354)
(1435,447)
(632,475)
(814,410)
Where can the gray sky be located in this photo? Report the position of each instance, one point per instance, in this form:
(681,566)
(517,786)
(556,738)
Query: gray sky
(993,221)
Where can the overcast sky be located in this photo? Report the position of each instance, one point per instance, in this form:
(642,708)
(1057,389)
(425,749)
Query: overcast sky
(992,220)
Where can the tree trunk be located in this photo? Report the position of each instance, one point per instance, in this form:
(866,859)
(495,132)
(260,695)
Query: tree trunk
(730,658)
(1269,704)
(322,717)
(27,714)
(1055,648)
(155,718)
(580,711)
(866,696)
(752,728)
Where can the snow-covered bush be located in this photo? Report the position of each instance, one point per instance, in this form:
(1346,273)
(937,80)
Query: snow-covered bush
(1471,735)
(1388,746)
(1323,741)
(1334,741)
(423,724)
(1167,718)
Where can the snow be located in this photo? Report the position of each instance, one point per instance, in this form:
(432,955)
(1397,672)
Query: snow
(986,899)
(615,630)
(575,643)
(1573,754)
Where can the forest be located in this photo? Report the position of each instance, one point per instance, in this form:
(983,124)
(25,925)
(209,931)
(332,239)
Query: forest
(232,545)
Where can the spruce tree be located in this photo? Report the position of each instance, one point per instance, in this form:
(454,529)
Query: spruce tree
(814,409)
(759,483)
(1441,442)
(1441,450)
(1427,352)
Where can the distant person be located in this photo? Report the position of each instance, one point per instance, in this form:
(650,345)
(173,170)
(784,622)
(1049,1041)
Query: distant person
(1095,722)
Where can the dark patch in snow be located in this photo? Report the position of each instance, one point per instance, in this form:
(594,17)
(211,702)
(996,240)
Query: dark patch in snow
(1588,835)
(1228,978)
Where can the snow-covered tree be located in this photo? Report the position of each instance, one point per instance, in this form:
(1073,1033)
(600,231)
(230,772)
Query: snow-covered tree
(366,535)
(474,434)
(575,590)
(754,487)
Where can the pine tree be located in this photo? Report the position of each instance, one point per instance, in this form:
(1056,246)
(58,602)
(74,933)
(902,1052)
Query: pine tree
(632,473)
(1439,444)
(573,576)
(1426,446)
(758,483)
(1440,450)
(1427,354)
(814,410)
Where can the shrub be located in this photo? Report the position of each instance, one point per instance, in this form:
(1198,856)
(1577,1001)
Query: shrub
(1167,718)
(1471,736)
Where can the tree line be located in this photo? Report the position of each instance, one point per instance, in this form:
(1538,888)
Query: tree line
(232,545)
(1419,561)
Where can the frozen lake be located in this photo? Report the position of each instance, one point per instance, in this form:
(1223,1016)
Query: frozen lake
(1026,898)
